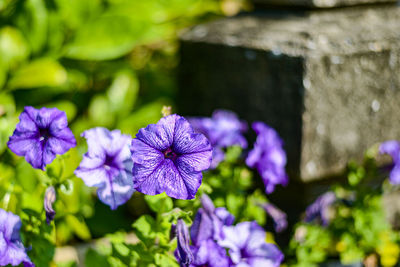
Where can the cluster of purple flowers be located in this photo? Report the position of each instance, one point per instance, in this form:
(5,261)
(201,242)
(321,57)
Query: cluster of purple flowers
(212,234)
(165,157)
(224,129)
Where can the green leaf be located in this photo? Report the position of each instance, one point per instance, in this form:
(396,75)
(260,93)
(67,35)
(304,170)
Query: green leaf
(13,47)
(159,203)
(94,258)
(33,23)
(79,227)
(123,92)
(165,260)
(100,111)
(38,73)
(106,37)
(144,226)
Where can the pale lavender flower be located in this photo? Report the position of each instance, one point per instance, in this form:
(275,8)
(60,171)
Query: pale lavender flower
(392,148)
(183,251)
(12,251)
(169,157)
(320,209)
(107,165)
(278,216)
(247,246)
(40,135)
(49,199)
(268,157)
(223,129)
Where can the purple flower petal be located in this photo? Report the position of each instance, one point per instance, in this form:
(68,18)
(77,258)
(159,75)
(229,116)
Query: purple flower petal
(169,157)
(209,221)
(12,250)
(247,246)
(185,255)
(107,165)
(209,253)
(278,216)
(319,210)
(392,148)
(268,157)
(223,130)
(40,135)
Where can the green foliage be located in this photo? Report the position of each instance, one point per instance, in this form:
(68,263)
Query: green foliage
(358,227)
(105,63)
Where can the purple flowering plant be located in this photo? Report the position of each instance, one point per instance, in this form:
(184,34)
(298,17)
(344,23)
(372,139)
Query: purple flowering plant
(169,165)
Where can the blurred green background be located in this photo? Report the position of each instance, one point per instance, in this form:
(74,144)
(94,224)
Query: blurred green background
(107,63)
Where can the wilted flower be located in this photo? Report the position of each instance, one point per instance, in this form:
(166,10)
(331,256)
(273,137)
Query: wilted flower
(223,129)
(247,246)
(107,165)
(49,199)
(40,135)
(169,157)
(183,251)
(268,157)
(209,221)
(392,148)
(12,250)
(278,216)
(321,208)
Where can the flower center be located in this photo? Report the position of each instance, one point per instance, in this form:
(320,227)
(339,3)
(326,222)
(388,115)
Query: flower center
(169,154)
(109,162)
(44,134)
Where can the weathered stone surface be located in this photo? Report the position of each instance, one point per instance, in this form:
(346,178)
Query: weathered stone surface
(320,3)
(328,81)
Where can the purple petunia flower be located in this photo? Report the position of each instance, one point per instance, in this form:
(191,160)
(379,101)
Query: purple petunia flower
(223,129)
(12,250)
(205,230)
(321,208)
(278,216)
(209,221)
(247,246)
(392,148)
(268,157)
(49,199)
(169,157)
(183,251)
(40,135)
(209,253)
(107,165)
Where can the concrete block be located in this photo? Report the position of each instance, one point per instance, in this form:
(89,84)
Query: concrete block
(328,81)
